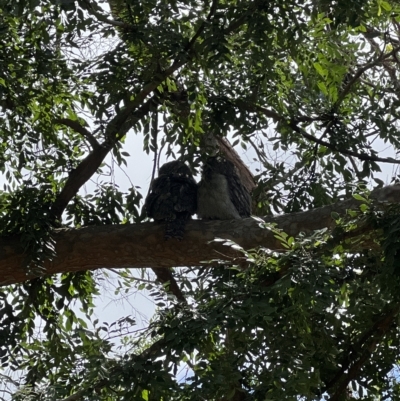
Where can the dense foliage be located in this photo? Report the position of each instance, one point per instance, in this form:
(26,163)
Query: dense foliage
(313,88)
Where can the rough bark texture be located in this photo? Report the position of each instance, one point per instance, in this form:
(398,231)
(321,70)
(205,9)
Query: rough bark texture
(143,245)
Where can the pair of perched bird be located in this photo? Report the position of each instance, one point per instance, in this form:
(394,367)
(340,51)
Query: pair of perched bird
(175,196)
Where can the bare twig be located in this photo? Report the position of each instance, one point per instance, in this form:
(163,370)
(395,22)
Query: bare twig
(154,133)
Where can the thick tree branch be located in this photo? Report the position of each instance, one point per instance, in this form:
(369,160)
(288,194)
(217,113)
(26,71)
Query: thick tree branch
(143,245)
(78,177)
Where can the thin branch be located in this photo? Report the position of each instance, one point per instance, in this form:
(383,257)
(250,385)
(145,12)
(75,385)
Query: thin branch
(139,280)
(367,346)
(293,125)
(361,71)
(78,127)
(166,278)
(353,163)
(242,19)
(213,8)
(91,163)
(101,17)
(262,157)
(347,152)
(154,134)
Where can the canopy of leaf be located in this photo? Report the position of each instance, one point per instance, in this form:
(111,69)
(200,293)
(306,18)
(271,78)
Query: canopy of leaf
(318,81)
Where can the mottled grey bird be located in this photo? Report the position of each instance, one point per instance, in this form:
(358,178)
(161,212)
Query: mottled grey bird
(172,198)
(221,194)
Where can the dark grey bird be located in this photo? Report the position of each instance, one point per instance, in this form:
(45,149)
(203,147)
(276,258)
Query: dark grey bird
(172,198)
(221,194)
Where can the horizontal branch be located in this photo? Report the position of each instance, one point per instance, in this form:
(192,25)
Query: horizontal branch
(143,245)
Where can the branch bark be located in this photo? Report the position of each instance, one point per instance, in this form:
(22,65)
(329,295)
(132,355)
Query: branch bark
(143,245)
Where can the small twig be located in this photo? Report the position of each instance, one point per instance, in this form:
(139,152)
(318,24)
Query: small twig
(260,153)
(140,280)
(353,163)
